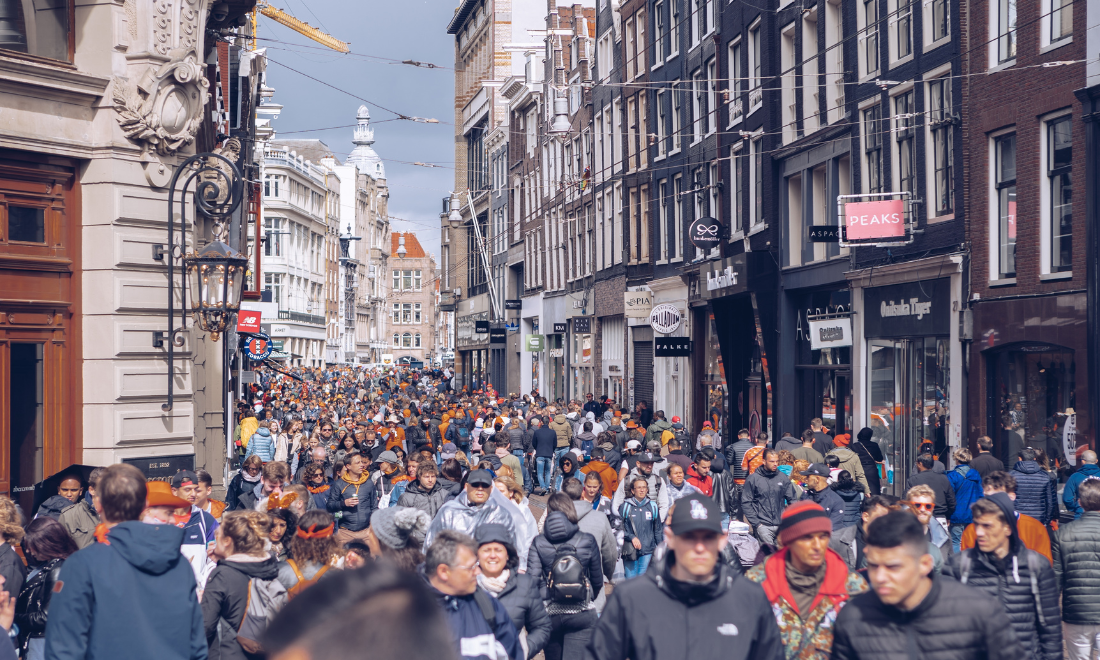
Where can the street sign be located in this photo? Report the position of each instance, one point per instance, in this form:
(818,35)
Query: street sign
(258,347)
(637,304)
(705,233)
(559,329)
(671,347)
(162,467)
(823,233)
(278,344)
(248,321)
(582,325)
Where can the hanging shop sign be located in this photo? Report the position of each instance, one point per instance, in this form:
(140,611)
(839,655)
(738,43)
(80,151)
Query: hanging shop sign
(879,221)
(481,327)
(513,304)
(725,277)
(912,309)
(1069,436)
(665,318)
(705,233)
(258,347)
(557,352)
(162,467)
(498,335)
(582,325)
(248,321)
(559,329)
(671,347)
(823,233)
(637,304)
(534,343)
(830,333)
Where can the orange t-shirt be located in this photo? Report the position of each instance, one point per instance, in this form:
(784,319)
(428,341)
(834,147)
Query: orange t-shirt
(1032,532)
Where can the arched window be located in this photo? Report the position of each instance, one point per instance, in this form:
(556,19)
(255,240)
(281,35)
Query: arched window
(416,340)
(406,340)
(396,339)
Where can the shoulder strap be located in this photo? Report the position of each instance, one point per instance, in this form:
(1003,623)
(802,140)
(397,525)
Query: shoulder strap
(1033,569)
(485,604)
(294,567)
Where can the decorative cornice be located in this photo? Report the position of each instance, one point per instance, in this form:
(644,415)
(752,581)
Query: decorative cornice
(58,82)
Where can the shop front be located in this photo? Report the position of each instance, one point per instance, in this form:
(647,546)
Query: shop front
(582,358)
(823,361)
(472,355)
(907,367)
(1030,354)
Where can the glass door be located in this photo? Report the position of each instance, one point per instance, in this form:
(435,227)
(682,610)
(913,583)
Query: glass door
(885,379)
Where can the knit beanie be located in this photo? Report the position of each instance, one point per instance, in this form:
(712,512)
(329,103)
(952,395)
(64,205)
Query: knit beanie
(800,519)
(397,526)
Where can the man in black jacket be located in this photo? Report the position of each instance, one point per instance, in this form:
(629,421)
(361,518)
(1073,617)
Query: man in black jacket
(766,493)
(910,613)
(1076,549)
(688,605)
(735,452)
(1021,579)
(945,494)
(985,462)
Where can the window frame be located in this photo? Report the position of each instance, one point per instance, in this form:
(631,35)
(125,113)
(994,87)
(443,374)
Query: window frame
(939,120)
(997,273)
(1047,197)
(70,58)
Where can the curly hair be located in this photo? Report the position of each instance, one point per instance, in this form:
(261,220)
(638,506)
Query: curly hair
(11,519)
(248,530)
(317,551)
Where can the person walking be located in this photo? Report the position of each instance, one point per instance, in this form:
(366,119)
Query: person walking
(818,491)
(912,613)
(870,457)
(967,484)
(985,462)
(849,460)
(132,595)
(545,440)
(1078,569)
(806,451)
(766,493)
(520,593)
(80,519)
(352,497)
(941,487)
(806,582)
(1033,534)
(688,604)
(46,545)
(1037,493)
(1088,470)
(641,528)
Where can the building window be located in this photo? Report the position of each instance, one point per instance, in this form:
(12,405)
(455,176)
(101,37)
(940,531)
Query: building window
(417,279)
(904,24)
(676,27)
(710,117)
(1005,183)
(42,29)
(273,282)
(396,280)
(477,164)
(406,313)
(397,313)
(663,225)
(273,236)
(1006,30)
(941,19)
(870,37)
(675,235)
(406,281)
(662,124)
(1059,159)
(698,106)
(396,340)
(872,149)
(631,48)
(416,340)
(417,310)
(941,123)
(737,184)
(904,137)
(736,84)
(697,18)
(677,118)
(757,167)
(1058,19)
(756,96)
(406,340)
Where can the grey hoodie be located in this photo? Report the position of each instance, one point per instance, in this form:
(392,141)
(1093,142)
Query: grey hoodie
(596,523)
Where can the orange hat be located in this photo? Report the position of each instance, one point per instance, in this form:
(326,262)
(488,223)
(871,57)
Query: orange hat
(632,424)
(842,440)
(159,493)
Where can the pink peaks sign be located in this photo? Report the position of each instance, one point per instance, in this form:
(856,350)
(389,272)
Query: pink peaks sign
(874,220)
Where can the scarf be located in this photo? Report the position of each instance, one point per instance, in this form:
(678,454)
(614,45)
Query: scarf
(318,489)
(346,476)
(494,585)
(249,478)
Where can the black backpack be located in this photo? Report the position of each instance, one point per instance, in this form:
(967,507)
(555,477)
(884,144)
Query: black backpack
(568,584)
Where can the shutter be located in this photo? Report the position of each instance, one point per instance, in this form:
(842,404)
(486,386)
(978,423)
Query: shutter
(643,372)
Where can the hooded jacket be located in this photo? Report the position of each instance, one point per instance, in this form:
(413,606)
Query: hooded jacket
(1069,495)
(357,518)
(849,460)
(80,520)
(852,493)
(560,426)
(608,476)
(807,635)
(654,617)
(967,484)
(640,521)
(953,622)
(225,598)
(132,597)
(765,495)
(596,523)
(457,514)
(560,474)
(53,507)
(428,501)
(261,444)
(559,531)
(1030,600)
(1077,566)
(655,431)
(1036,492)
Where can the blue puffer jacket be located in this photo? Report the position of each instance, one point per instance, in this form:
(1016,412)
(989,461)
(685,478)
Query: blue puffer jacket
(1069,495)
(968,490)
(261,444)
(852,492)
(1036,492)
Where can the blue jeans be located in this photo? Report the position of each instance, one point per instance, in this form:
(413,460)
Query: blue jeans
(544,467)
(636,567)
(558,453)
(957,536)
(518,453)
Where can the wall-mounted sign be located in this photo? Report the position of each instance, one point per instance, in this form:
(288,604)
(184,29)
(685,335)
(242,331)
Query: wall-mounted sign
(823,233)
(511,327)
(248,321)
(582,325)
(557,352)
(705,233)
(481,327)
(534,343)
(258,347)
(387,359)
(912,309)
(665,318)
(723,278)
(671,347)
(498,335)
(513,304)
(637,304)
(162,467)
(559,329)
(831,333)
(874,221)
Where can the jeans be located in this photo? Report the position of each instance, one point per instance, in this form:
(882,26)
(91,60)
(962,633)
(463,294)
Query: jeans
(569,635)
(518,453)
(725,522)
(1082,641)
(558,453)
(636,567)
(766,533)
(957,536)
(544,465)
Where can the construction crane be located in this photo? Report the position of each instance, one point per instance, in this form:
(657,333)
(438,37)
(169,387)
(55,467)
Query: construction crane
(301,27)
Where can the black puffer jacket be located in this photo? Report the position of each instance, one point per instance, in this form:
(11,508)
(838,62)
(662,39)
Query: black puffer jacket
(226,598)
(1077,564)
(522,597)
(427,501)
(654,617)
(953,622)
(34,602)
(558,531)
(1036,492)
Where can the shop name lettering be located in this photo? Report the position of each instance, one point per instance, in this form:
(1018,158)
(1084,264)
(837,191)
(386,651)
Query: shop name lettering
(868,220)
(912,308)
(721,279)
(835,333)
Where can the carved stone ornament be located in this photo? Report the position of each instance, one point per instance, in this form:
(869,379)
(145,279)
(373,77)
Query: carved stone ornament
(161,107)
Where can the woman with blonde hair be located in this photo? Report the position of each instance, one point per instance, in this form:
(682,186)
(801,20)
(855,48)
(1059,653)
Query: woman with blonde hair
(241,549)
(11,532)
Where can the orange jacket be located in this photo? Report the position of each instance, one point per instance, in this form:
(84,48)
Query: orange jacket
(1032,533)
(395,438)
(608,476)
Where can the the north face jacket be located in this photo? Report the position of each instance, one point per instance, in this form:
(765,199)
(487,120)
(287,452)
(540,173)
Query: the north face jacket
(765,495)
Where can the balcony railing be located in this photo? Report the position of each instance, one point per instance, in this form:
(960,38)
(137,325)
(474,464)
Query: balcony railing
(285,315)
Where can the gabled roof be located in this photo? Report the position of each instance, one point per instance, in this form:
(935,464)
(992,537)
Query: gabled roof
(413,249)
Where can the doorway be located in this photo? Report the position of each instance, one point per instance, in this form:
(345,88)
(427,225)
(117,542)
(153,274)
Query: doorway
(25,399)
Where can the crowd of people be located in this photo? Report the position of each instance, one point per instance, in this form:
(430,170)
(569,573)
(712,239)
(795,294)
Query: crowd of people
(388,514)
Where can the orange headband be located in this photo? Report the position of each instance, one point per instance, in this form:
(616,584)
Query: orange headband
(315,533)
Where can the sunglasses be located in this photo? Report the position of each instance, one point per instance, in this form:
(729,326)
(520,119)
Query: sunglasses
(921,505)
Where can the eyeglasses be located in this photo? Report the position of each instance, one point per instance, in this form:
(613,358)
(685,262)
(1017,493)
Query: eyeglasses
(469,568)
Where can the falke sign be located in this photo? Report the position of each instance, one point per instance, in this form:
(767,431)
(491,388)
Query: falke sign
(705,233)
(248,321)
(912,309)
(723,278)
(874,221)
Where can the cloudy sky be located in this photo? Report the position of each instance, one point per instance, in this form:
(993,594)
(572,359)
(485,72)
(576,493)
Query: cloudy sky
(381,35)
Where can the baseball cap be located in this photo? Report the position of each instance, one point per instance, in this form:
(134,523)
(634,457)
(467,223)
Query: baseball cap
(633,444)
(706,425)
(480,478)
(648,457)
(694,513)
(675,419)
(183,478)
(818,469)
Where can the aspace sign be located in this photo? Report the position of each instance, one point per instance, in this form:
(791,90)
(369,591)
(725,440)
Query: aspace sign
(871,221)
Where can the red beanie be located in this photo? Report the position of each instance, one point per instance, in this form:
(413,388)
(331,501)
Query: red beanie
(803,518)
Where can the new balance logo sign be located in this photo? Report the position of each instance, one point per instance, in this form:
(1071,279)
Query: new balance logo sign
(248,321)
(721,279)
